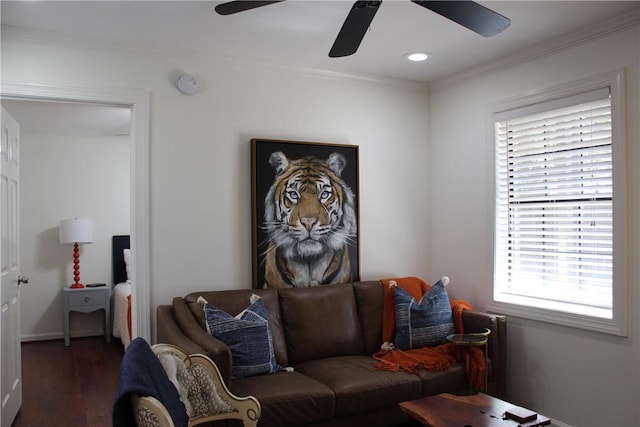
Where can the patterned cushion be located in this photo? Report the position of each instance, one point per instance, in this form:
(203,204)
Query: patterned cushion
(195,386)
(248,337)
(203,395)
(145,417)
(424,323)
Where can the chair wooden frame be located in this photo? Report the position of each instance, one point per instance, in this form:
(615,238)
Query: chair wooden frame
(247,409)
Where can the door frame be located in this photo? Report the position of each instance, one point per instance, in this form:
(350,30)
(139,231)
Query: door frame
(138,101)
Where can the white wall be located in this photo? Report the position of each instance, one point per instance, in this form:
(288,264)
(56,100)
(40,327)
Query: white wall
(416,160)
(200,194)
(62,177)
(579,377)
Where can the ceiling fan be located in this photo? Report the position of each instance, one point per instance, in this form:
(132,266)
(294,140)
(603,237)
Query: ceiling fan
(467,13)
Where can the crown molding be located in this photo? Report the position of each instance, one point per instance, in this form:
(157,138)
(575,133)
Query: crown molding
(61,39)
(575,38)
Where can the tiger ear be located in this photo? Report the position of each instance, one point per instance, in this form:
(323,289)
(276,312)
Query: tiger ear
(279,161)
(337,162)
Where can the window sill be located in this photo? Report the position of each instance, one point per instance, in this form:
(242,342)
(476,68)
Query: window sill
(613,326)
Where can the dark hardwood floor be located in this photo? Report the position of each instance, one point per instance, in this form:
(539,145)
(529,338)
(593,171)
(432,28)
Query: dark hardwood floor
(69,386)
(72,386)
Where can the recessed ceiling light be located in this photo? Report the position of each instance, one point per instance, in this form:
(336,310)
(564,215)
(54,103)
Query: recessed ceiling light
(417,56)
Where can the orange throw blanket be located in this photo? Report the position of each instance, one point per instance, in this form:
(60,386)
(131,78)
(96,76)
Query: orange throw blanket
(129,315)
(439,358)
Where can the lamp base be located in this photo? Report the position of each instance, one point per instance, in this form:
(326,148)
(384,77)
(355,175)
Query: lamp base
(76,268)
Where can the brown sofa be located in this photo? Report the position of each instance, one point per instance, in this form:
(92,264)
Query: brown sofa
(327,334)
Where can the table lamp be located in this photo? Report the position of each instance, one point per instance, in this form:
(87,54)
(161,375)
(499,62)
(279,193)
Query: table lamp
(77,232)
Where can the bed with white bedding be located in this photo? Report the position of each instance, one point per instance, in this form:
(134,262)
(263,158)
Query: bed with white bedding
(121,254)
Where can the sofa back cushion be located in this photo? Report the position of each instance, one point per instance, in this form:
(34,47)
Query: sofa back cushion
(320,322)
(370,300)
(234,301)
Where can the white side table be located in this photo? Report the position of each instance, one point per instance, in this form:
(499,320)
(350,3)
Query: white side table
(87,300)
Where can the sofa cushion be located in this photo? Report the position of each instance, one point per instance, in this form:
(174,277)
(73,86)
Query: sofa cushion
(234,301)
(288,398)
(320,322)
(423,323)
(359,386)
(452,380)
(370,299)
(247,335)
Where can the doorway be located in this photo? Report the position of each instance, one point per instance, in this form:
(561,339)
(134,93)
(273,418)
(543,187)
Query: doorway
(137,102)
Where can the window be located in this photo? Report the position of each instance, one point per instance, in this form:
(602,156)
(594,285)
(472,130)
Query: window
(557,185)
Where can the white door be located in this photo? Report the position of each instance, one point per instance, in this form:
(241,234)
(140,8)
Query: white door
(11,374)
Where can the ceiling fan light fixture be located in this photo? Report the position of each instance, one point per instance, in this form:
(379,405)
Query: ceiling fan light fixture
(417,56)
(467,13)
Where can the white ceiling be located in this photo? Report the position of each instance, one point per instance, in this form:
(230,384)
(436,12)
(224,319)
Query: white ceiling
(299,33)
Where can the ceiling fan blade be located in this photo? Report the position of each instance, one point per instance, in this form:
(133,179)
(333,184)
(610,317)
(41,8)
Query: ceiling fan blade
(354,28)
(469,14)
(232,7)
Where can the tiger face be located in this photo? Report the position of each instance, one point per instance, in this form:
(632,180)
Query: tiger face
(309,219)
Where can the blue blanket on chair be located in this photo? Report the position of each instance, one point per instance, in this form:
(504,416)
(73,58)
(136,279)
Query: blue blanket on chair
(142,374)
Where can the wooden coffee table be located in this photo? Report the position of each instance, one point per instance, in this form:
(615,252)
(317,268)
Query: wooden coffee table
(478,410)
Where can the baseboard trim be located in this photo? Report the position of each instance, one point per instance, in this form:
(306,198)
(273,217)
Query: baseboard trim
(60,335)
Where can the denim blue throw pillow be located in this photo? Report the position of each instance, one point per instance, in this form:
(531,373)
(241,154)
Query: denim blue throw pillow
(248,337)
(425,323)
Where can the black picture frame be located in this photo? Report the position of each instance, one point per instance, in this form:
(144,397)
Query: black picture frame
(273,264)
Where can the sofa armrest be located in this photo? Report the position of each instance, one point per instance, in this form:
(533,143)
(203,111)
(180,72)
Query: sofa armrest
(189,328)
(170,333)
(476,321)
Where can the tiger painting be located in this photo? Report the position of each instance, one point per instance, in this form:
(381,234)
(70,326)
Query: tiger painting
(309,221)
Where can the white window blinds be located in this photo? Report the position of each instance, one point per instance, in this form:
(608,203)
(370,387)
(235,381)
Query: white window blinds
(554,188)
